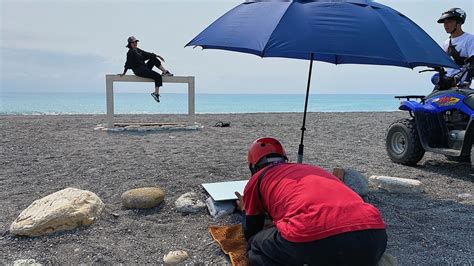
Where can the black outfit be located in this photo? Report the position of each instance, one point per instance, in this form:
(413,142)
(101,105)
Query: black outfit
(136,61)
(455,54)
(461,60)
(362,248)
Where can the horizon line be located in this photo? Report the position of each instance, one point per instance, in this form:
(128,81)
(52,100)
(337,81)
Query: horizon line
(185,93)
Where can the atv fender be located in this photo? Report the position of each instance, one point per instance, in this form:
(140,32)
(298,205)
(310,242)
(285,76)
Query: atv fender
(413,106)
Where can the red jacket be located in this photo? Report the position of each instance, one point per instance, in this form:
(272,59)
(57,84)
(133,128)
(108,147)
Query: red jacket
(307,203)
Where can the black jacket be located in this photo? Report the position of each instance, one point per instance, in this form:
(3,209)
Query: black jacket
(136,58)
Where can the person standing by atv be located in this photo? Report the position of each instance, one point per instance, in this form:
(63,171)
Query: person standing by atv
(136,62)
(317,219)
(460,44)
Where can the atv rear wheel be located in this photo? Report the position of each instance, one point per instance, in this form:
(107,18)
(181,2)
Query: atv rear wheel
(403,143)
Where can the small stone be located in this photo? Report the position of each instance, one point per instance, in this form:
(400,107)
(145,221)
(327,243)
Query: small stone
(175,257)
(396,184)
(189,203)
(143,198)
(465,195)
(356,181)
(387,260)
(26,262)
(63,210)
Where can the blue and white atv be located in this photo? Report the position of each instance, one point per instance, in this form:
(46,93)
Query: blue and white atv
(441,122)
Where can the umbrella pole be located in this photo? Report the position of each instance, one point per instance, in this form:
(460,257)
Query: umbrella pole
(303,128)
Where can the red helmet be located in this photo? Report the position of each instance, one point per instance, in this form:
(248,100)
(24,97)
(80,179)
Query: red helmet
(262,148)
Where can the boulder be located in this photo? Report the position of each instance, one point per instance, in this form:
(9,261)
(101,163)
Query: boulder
(175,257)
(63,210)
(142,198)
(356,181)
(396,184)
(189,203)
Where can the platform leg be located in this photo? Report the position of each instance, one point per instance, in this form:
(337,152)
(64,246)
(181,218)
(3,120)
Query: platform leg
(110,102)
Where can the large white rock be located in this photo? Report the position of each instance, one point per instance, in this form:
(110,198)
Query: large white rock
(175,257)
(189,203)
(396,184)
(63,210)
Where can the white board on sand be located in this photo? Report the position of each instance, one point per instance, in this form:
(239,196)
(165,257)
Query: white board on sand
(225,190)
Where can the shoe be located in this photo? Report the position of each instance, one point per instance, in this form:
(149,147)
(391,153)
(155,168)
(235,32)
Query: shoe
(222,124)
(155,96)
(167,74)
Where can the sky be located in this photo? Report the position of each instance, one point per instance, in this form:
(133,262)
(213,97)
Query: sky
(69,46)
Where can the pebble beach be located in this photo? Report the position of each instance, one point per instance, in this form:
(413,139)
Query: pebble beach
(40,155)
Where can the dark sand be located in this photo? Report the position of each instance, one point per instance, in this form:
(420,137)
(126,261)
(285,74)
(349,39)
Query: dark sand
(43,154)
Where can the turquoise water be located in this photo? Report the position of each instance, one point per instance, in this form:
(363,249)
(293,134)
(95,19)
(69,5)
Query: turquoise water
(142,103)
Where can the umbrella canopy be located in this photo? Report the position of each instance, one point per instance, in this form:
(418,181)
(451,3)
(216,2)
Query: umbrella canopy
(334,31)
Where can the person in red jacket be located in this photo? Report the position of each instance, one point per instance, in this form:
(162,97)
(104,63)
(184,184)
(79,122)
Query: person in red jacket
(317,219)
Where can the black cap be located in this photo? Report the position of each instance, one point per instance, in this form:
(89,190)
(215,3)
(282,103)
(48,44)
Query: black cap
(454,14)
(130,40)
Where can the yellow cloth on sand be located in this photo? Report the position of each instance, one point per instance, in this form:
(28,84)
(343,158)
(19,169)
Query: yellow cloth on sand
(232,242)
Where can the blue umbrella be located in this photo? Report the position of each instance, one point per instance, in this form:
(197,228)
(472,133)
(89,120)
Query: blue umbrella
(334,31)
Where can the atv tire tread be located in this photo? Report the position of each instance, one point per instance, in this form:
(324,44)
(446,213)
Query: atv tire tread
(417,152)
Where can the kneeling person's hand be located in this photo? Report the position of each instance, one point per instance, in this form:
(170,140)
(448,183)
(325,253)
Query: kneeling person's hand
(239,202)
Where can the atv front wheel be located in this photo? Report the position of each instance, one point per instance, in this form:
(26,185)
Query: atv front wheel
(403,143)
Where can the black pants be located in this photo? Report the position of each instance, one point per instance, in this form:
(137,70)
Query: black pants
(354,248)
(147,71)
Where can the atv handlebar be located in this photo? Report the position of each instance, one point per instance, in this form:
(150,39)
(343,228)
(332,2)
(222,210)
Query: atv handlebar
(460,79)
(440,70)
(427,70)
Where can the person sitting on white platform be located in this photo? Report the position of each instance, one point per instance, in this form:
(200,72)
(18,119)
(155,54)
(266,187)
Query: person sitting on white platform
(136,62)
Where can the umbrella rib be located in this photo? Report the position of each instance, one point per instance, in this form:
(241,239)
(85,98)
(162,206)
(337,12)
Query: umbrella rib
(394,40)
(265,47)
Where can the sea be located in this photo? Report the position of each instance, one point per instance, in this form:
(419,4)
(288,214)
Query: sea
(13,103)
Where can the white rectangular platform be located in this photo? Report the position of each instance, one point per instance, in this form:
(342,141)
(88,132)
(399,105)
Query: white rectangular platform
(109,86)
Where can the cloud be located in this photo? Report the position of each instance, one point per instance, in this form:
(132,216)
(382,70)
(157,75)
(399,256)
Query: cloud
(28,69)
(71,45)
